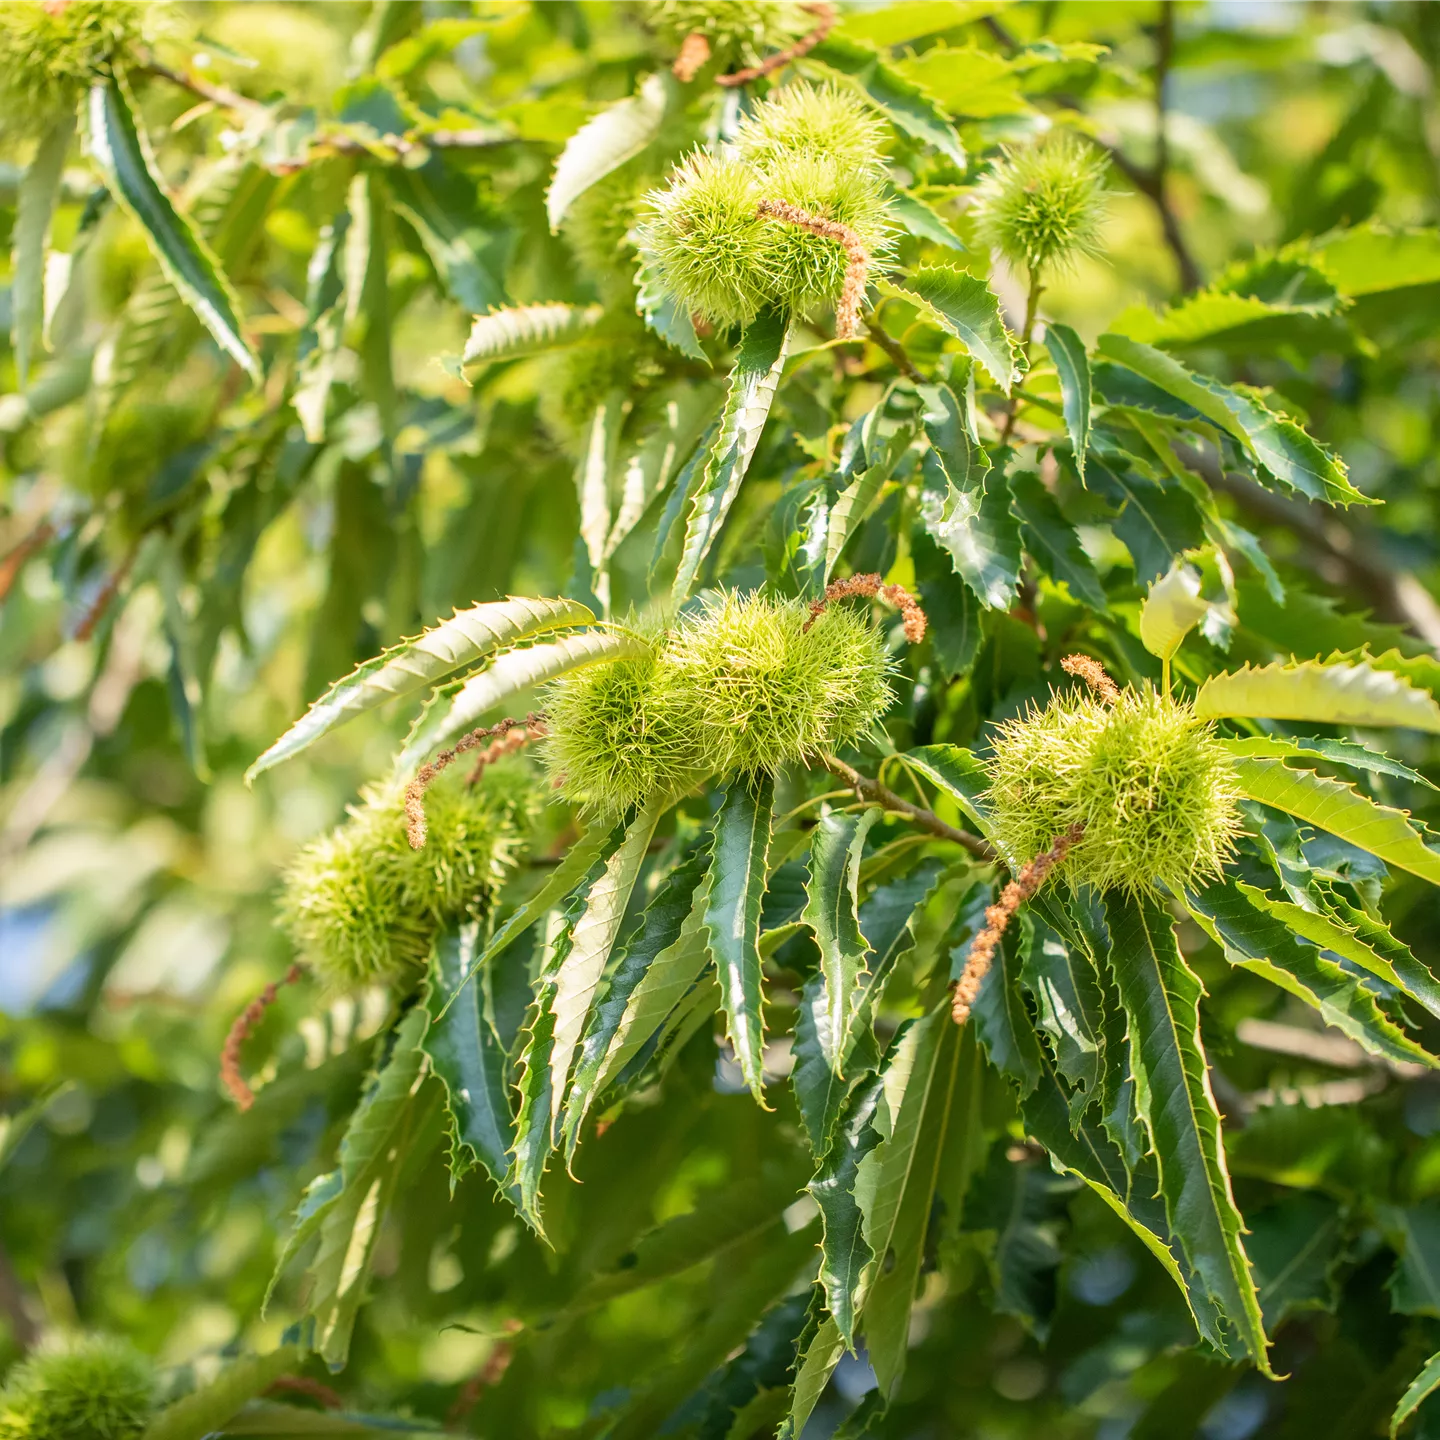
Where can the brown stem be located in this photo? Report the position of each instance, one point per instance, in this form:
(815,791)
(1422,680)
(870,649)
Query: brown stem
(857,258)
(694,53)
(303,1385)
(878,794)
(534,725)
(13,561)
(216,94)
(490,1374)
(894,349)
(240,1031)
(90,620)
(997,918)
(870,586)
(1094,674)
(824,14)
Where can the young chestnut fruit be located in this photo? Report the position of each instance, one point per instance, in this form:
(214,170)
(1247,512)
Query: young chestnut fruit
(87,1388)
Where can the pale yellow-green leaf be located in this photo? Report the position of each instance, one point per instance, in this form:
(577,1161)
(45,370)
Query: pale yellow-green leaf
(1171,610)
(521,330)
(1352,694)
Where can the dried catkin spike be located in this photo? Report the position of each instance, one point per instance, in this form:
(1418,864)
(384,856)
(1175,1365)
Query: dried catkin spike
(914,621)
(694,53)
(415,829)
(240,1031)
(1094,674)
(857,258)
(998,917)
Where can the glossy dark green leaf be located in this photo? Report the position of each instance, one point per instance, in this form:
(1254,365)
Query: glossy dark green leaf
(1069,1003)
(1000,1016)
(468,1058)
(1161,999)
(1297,1246)
(964,306)
(1053,540)
(976,529)
(1414,1230)
(1156,524)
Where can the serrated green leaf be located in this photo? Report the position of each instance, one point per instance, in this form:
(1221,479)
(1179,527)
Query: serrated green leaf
(1129,1189)
(1416,1392)
(907,106)
(1253,934)
(849,511)
(34,204)
(814,1367)
(758,367)
(1319,747)
(460,707)
(1329,694)
(1161,999)
(1372,258)
(205,1411)
(1072,365)
(897,1183)
(596,931)
(1339,808)
(977,529)
(831,901)
(518,331)
(1414,1232)
(964,306)
(957,772)
(1296,1246)
(662,312)
(604,143)
(467,637)
(1157,523)
(732,916)
(437,202)
(469,1060)
(886,919)
(1068,1001)
(344,1208)
(956,629)
(1281,446)
(1382,952)
(290,1422)
(1053,540)
(969,82)
(659,967)
(904,20)
(844,1252)
(122,152)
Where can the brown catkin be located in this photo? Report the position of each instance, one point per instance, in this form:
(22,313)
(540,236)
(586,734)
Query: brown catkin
(998,917)
(694,52)
(825,16)
(857,258)
(1094,674)
(415,829)
(240,1031)
(913,618)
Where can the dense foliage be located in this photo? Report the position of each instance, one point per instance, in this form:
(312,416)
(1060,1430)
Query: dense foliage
(843,595)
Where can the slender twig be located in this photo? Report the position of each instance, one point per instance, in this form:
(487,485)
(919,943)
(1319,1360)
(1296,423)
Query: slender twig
(245,1023)
(857,258)
(878,794)
(304,1385)
(489,1375)
(893,349)
(217,94)
(13,561)
(95,612)
(998,917)
(825,16)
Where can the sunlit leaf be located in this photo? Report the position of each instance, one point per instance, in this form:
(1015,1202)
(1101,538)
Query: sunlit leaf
(964,306)
(1329,694)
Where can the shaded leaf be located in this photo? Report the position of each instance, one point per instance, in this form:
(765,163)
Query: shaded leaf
(1068,1001)
(1053,540)
(1156,525)
(1161,999)
(922,220)
(1072,365)
(1417,1391)
(1296,1246)
(978,531)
